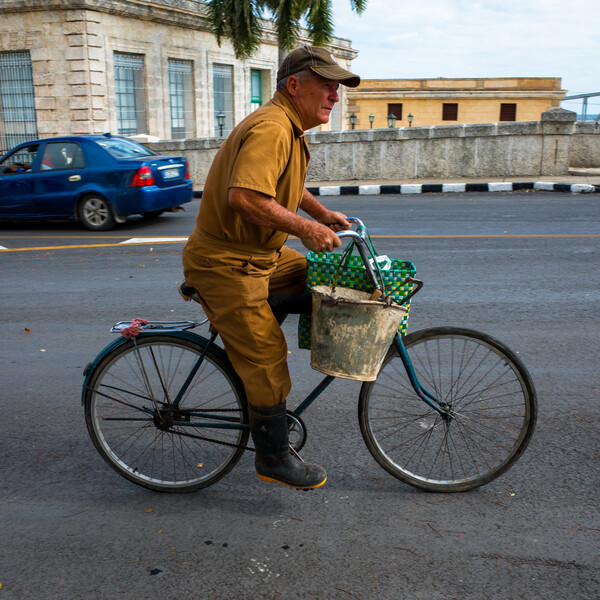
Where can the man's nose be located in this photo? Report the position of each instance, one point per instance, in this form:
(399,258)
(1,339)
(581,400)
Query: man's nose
(333,96)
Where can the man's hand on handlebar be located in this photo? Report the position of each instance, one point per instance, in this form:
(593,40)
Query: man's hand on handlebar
(321,238)
(336,221)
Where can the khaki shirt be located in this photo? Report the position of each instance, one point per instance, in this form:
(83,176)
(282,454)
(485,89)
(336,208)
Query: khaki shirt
(268,153)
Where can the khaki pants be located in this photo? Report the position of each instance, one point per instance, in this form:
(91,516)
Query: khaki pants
(233,288)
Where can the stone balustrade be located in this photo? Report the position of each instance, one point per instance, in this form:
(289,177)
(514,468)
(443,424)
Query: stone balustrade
(521,149)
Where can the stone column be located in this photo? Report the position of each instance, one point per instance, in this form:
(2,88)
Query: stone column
(557,128)
(85,66)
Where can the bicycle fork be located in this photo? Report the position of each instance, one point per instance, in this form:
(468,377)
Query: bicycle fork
(441,408)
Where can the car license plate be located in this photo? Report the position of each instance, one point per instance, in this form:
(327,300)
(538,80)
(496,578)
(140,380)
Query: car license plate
(170,173)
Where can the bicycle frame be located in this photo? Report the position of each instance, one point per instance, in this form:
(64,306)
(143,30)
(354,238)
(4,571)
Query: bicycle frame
(421,392)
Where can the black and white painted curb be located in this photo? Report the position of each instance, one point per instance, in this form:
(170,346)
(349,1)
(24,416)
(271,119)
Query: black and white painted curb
(424,188)
(429,188)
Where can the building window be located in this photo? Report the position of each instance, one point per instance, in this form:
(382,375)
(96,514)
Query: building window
(129,85)
(181,99)
(396,110)
(450,112)
(18,121)
(508,112)
(255,89)
(223,96)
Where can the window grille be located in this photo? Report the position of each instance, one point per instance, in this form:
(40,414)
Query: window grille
(18,122)
(223,96)
(129,87)
(181,98)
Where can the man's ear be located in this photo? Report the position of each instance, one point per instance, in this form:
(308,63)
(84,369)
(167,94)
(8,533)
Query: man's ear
(292,85)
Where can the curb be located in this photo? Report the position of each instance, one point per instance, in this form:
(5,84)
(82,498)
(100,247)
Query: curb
(424,188)
(433,188)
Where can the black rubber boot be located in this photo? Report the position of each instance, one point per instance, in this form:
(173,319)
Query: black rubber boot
(274,461)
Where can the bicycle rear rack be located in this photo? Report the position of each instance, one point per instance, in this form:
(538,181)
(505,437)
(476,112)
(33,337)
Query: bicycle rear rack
(159,326)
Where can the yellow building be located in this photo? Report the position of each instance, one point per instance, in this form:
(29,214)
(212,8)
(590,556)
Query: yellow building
(442,101)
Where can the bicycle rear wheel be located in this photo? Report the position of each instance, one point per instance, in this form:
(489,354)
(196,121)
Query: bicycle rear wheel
(127,401)
(480,381)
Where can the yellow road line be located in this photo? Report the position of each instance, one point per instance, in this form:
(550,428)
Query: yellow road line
(493,235)
(62,237)
(119,245)
(154,242)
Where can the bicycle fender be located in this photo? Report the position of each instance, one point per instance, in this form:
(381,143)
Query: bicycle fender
(90,367)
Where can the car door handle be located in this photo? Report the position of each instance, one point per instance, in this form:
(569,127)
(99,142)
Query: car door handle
(75,178)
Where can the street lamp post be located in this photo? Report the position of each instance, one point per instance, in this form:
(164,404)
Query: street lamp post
(391,120)
(221,122)
(410,119)
(352,120)
(371,119)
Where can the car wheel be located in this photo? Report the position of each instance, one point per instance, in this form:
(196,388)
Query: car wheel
(96,213)
(153,214)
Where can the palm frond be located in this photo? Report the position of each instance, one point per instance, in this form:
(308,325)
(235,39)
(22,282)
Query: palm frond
(320,22)
(238,21)
(358,6)
(287,22)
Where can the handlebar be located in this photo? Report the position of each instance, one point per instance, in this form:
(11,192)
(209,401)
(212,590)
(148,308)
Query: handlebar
(360,238)
(354,234)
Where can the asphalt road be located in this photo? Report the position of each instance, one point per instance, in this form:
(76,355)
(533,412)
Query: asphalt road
(523,267)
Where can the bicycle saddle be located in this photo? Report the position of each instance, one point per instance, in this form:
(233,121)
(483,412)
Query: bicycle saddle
(281,304)
(188,293)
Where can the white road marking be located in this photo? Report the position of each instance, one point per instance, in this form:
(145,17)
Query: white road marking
(153,240)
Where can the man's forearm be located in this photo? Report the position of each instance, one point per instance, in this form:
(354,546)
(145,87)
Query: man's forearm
(263,210)
(311,206)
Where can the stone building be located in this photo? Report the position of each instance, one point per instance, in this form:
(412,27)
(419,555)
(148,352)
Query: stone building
(131,67)
(441,101)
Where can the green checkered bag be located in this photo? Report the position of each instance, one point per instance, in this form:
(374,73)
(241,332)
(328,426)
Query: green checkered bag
(348,270)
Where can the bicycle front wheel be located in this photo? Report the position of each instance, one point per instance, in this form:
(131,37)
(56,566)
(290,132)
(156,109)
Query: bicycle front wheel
(131,419)
(479,381)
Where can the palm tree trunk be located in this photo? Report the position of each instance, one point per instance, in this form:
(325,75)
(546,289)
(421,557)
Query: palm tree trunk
(281,54)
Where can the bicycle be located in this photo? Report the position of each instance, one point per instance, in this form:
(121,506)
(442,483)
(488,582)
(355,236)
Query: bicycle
(451,409)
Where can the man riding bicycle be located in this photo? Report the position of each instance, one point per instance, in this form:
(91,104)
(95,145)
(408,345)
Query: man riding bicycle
(236,258)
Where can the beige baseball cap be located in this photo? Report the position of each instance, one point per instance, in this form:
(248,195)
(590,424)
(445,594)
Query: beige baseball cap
(318,60)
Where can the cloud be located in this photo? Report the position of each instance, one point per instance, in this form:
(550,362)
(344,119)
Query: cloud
(461,38)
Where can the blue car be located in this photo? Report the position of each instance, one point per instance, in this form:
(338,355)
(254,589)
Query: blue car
(95,179)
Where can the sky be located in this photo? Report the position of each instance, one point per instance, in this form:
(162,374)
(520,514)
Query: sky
(399,39)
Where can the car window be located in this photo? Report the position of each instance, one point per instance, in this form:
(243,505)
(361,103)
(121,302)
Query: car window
(19,161)
(120,148)
(62,155)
